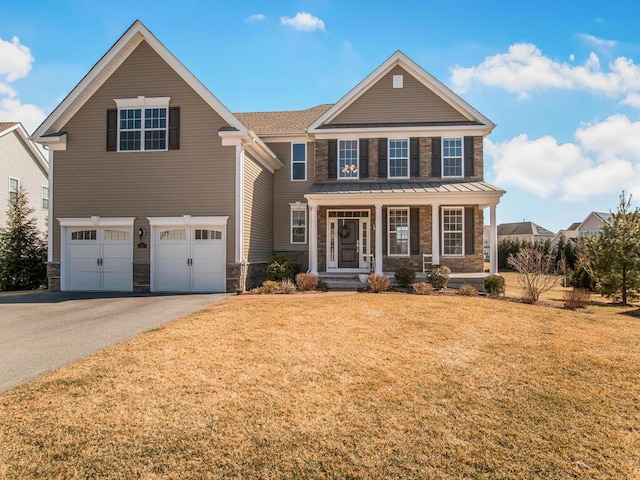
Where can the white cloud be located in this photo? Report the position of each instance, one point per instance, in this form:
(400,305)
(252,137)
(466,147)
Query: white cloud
(303,21)
(605,158)
(572,58)
(597,42)
(524,69)
(15,62)
(254,18)
(632,99)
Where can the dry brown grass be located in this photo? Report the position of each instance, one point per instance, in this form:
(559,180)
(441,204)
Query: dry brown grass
(352,386)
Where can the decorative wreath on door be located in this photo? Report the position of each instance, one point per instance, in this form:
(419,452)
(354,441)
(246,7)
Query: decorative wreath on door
(344,231)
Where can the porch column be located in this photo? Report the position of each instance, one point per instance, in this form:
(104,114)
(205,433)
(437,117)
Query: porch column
(493,241)
(379,221)
(435,234)
(313,239)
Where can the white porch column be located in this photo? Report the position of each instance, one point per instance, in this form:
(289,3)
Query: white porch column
(435,234)
(493,241)
(313,239)
(379,221)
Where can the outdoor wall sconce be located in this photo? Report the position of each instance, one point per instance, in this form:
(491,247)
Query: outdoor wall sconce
(141,233)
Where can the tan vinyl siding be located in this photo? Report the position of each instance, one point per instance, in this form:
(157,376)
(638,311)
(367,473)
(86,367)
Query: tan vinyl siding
(17,161)
(384,104)
(285,192)
(197,179)
(258,211)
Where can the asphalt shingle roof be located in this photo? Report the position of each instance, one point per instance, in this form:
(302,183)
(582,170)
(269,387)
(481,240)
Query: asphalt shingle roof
(283,123)
(523,228)
(6,125)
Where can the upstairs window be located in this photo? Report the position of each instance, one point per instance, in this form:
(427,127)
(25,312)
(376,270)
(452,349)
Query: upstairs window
(45,197)
(143,124)
(348,159)
(14,186)
(452,157)
(398,158)
(299,161)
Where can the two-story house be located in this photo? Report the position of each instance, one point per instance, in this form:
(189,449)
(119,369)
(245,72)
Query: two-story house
(22,165)
(158,186)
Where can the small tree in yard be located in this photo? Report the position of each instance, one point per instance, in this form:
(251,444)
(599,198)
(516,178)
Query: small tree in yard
(535,272)
(613,258)
(23,251)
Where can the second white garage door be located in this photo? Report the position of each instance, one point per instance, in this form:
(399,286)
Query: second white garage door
(189,258)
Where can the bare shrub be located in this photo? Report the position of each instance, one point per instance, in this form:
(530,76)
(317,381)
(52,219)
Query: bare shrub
(269,286)
(535,270)
(468,291)
(378,282)
(286,286)
(423,288)
(306,282)
(576,298)
(439,276)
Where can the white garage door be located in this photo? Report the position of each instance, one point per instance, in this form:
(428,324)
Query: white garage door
(190,259)
(99,258)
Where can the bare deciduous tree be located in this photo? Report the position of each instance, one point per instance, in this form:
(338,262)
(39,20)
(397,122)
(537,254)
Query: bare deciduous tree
(535,272)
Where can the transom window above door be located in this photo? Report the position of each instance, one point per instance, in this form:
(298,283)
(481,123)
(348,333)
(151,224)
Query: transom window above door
(348,159)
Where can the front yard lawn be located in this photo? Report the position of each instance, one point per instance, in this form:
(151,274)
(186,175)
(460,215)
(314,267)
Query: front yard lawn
(350,386)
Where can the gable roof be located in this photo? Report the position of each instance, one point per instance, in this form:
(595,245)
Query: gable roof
(428,80)
(293,122)
(523,228)
(108,64)
(574,226)
(8,127)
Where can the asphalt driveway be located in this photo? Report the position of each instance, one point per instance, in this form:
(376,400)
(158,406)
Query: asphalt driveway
(42,331)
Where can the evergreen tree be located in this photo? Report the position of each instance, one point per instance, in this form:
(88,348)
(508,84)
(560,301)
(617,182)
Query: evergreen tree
(614,257)
(23,250)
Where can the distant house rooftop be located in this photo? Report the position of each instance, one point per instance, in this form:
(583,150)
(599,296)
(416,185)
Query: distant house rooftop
(523,228)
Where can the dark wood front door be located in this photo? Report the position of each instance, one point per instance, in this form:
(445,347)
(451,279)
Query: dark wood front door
(348,233)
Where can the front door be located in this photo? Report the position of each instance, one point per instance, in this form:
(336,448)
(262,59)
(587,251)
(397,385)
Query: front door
(348,243)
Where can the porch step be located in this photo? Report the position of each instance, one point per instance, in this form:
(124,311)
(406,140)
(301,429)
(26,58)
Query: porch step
(345,281)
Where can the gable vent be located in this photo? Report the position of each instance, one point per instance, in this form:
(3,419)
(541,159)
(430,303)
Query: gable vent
(398,81)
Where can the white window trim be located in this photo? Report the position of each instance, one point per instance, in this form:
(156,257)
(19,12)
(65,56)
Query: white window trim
(461,157)
(442,209)
(298,207)
(298,162)
(389,254)
(17,190)
(357,177)
(389,158)
(142,103)
(42,199)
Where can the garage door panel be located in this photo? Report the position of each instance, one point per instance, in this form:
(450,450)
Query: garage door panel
(84,281)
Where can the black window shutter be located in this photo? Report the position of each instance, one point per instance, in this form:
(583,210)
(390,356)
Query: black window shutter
(468,156)
(112,130)
(436,156)
(174,128)
(333,158)
(364,158)
(384,231)
(414,155)
(414,235)
(382,158)
(469,233)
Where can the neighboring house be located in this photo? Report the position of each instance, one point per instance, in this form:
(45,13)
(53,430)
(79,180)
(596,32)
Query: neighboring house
(158,186)
(592,225)
(570,233)
(22,165)
(524,231)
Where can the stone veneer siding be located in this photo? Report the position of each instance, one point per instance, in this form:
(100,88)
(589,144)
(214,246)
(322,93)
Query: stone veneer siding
(298,257)
(141,277)
(322,164)
(53,276)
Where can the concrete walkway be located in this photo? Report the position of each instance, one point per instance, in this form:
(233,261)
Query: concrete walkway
(41,331)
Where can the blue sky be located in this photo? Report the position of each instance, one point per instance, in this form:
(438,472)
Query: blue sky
(560,79)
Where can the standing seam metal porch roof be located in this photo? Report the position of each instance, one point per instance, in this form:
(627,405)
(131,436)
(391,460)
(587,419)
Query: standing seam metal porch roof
(341,187)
